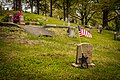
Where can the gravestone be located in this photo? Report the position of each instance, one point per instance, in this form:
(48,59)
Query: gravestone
(10,18)
(115,35)
(68,23)
(71,32)
(21,19)
(100,29)
(86,49)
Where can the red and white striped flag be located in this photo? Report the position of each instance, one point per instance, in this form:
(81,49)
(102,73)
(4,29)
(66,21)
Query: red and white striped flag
(83,32)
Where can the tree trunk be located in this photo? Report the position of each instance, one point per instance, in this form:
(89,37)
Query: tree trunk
(16,2)
(67,4)
(86,20)
(82,18)
(31,6)
(105,17)
(50,8)
(45,7)
(38,7)
(64,9)
(20,6)
(14,5)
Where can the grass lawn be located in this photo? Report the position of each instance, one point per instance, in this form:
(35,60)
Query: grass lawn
(27,57)
(24,56)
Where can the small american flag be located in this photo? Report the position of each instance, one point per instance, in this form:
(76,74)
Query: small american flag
(83,32)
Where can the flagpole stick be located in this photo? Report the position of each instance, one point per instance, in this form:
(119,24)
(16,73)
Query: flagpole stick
(81,44)
(80,40)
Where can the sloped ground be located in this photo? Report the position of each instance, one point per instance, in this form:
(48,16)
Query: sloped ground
(27,57)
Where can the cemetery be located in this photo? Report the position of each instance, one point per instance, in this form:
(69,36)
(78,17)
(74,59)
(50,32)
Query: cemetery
(42,47)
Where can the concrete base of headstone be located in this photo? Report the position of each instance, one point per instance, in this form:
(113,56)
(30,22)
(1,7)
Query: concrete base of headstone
(79,65)
(21,23)
(76,65)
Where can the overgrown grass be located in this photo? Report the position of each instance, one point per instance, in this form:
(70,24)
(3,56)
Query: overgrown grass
(23,56)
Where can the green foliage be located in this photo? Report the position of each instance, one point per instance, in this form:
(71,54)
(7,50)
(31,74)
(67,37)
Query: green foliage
(5,19)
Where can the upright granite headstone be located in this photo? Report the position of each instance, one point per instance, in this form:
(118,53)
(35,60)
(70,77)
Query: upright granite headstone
(21,19)
(86,49)
(115,35)
(68,23)
(10,18)
(71,32)
(100,29)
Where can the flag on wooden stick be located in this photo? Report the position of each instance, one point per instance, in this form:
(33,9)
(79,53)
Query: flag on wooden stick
(83,32)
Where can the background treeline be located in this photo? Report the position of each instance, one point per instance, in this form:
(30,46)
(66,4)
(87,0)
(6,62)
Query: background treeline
(84,12)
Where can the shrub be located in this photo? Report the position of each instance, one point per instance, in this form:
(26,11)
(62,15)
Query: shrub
(16,18)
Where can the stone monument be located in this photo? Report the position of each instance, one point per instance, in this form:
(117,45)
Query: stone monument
(10,18)
(21,19)
(86,49)
(100,29)
(71,32)
(115,35)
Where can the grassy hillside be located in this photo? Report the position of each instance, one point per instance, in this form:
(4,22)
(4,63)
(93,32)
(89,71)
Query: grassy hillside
(28,17)
(43,20)
(27,57)
(24,56)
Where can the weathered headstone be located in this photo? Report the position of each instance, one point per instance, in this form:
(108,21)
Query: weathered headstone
(68,23)
(100,29)
(21,19)
(115,35)
(71,32)
(44,19)
(86,49)
(10,18)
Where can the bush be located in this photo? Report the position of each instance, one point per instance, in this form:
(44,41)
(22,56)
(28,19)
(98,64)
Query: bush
(16,18)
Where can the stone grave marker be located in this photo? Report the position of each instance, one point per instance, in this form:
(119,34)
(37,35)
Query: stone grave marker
(115,35)
(71,32)
(21,19)
(87,49)
(10,18)
(68,23)
(100,29)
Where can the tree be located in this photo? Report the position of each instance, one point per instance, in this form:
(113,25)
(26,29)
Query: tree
(31,5)
(51,8)
(107,7)
(38,4)
(86,11)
